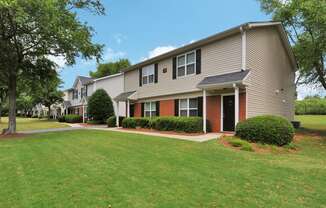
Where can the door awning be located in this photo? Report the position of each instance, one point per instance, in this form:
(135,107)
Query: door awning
(223,80)
(124,96)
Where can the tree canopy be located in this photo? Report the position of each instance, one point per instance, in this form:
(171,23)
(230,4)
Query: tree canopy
(305,24)
(106,69)
(32,31)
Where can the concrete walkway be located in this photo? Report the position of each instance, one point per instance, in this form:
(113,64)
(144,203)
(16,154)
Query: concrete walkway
(196,138)
(49,130)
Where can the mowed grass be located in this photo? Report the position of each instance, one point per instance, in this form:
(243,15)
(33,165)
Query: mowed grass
(88,168)
(24,124)
(312,122)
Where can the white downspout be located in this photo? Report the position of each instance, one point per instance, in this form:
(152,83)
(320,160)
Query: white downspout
(243,48)
(117,115)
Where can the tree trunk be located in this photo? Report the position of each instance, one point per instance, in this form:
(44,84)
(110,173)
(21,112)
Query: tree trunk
(49,114)
(0,111)
(12,104)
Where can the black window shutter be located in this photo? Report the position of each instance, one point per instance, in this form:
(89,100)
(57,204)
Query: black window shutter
(140,76)
(176,107)
(157,108)
(198,61)
(142,109)
(200,106)
(156,73)
(174,65)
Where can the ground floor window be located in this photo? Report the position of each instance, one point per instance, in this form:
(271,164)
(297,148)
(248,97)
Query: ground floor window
(188,107)
(150,109)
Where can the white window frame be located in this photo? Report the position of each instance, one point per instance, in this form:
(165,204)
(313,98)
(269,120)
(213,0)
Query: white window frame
(147,71)
(186,64)
(188,109)
(151,109)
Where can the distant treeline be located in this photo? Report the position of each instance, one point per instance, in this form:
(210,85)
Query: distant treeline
(311,106)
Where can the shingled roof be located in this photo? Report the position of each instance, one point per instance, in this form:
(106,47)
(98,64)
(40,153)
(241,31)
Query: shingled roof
(233,77)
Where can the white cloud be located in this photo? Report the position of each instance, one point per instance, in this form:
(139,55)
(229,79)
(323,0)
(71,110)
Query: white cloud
(59,60)
(305,90)
(112,55)
(160,50)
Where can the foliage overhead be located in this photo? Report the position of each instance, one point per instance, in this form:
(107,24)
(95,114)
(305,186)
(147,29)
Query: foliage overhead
(110,68)
(34,32)
(305,24)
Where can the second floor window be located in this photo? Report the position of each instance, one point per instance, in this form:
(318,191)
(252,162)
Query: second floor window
(75,94)
(188,107)
(83,92)
(150,109)
(148,74)
(186,64)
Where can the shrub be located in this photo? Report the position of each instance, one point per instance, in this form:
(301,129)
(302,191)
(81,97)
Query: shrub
(311,106)
(100,106)
(111,121)
(183,124)
(144,122)
(129,123)
(61,119)
(72,118)
(266,129)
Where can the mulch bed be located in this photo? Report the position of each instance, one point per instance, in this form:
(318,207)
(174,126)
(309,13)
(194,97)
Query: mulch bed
(257,148)
(12,136)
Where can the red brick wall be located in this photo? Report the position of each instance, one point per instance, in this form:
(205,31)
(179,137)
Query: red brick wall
(167,108)
(213,107)
(137,110)
(242,107)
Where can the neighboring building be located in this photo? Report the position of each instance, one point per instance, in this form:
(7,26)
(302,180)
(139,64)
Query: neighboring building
(75,98)
(242,72)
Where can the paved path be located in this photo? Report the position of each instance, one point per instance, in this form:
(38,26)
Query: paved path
(49,130)
(197,138)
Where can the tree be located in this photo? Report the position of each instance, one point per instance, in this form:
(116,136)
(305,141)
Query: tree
(32,31)
(3,97)
(48,93)
(110,68)
(100,106)
(305,24)
(25,103)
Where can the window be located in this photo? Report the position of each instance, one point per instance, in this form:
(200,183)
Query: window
(83,92)
(148,74)
(188,107)
(150,109)
(186,64)
(75,94)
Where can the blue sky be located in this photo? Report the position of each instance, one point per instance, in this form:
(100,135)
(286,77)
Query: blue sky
(139,29)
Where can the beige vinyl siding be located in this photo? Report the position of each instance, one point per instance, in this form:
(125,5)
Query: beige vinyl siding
(220,57)
(271,70)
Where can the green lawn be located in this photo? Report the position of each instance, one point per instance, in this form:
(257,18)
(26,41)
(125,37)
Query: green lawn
(88,168)
(32,124)
(314,122)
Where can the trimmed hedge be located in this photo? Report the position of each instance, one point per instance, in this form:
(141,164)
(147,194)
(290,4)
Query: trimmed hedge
(266,129)
(72,118)
(61,119)
(179,124)
(129,123)
(311,106)
(111,121)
